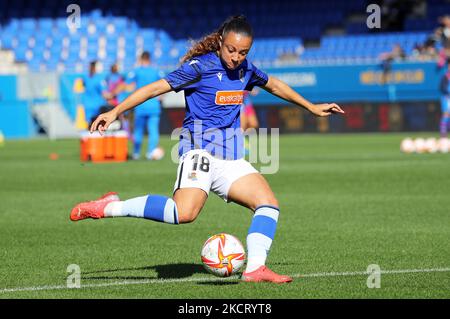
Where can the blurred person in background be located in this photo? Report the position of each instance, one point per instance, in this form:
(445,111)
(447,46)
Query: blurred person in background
(115,83)
(445,101)
(442,35)
(426,51)
(146,116)
(387,58)
(94,93)
(249,119)
(248,113)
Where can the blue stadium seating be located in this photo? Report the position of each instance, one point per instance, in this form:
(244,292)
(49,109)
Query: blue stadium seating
(37,30)
(369,46)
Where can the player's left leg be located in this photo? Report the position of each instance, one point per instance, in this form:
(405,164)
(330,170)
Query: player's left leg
(251,190)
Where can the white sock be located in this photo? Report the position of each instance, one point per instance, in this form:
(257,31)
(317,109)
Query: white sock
(154,207)
(114,209)
(255,262)
(260,236)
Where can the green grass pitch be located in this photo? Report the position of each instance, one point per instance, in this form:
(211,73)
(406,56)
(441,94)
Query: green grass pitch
(347,201)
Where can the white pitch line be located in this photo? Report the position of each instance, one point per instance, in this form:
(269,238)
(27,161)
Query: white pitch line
(210,279)
(119,283)
(361,273)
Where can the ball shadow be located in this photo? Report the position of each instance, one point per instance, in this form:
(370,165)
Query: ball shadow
(168,271)
(218,283)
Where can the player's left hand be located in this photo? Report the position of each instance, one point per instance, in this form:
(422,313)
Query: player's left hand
(326,109)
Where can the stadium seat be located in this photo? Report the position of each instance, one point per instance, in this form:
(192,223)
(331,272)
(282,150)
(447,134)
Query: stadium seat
(163,28)
(28,25)
(6,40)
(45,24)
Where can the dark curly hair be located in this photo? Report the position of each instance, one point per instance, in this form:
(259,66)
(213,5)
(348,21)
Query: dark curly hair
(211,42)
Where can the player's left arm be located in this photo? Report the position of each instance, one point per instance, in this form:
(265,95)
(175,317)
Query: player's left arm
(285,92)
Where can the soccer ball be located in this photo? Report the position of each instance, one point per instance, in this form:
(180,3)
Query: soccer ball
(420,145)
(157,154)
(431,145)
(444,145)
(407,145)
(114,126)
(223,255)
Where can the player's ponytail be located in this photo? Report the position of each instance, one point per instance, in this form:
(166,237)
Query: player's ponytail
(211,42)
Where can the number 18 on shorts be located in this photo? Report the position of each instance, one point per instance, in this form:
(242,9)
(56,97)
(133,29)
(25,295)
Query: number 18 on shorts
(199,169)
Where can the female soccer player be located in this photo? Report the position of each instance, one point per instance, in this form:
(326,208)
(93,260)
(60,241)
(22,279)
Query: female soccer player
(214,75)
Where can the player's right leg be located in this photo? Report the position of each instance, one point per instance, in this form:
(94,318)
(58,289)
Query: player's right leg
(191,188)
(190,194)
(183,208)
(189,202)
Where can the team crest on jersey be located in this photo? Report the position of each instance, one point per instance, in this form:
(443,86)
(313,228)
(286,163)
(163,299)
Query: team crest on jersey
(241,75)
(229,97)
(192,176)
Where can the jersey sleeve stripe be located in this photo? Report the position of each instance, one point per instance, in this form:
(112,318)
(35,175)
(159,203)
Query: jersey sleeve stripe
(179,87)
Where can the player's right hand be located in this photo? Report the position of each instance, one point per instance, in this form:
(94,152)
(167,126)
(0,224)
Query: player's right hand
(103,121)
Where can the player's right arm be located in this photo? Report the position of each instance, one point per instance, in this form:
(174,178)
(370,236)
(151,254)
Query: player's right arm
(141,95)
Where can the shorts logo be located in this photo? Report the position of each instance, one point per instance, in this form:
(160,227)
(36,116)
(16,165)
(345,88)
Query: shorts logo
(229,97)
(192,176)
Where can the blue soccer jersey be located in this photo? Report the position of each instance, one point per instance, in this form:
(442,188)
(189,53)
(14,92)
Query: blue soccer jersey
(142,76)
(213,96)
(93,91)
